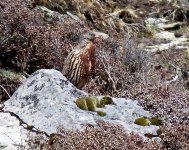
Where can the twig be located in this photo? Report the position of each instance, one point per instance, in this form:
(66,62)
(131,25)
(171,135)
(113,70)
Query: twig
(108,73)
(178,71)
(5,91)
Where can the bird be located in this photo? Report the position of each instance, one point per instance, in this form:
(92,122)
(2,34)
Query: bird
(80,63)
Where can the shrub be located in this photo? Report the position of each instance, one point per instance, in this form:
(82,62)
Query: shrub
(105,136)
(30,40)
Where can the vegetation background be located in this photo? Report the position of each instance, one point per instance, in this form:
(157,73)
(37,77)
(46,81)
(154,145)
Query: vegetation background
(32,38)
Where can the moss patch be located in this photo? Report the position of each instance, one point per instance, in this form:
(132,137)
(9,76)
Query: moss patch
(145,121)
(142,121)
(88,103)
(11,75)
(101,113)
(92,103)
(155,121)
(106,100)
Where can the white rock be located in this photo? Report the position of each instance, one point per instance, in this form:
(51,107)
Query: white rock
(46,100)
(45,9)
(158,22)
(171,25)
(165,35)
(12,135)
(177,44)
(73,16)
(101,34)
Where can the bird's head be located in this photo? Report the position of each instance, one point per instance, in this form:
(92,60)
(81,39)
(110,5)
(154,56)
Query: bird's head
(91,36)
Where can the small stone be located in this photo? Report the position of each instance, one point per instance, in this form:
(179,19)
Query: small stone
(30,127)
(177,34)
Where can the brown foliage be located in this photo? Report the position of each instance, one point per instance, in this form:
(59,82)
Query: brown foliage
(105,136)
(30,41)
(117,66)
(176,137)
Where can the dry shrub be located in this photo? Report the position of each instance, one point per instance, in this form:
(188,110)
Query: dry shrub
(176,137)
(30,41)
(135,59)
(167,100)
(174,10)
(109,69)
(7,85)
(105,136)
(9,82)
(118,66)
(172,108)
(103,16)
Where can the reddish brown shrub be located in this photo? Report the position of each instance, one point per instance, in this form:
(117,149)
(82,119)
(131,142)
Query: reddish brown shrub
(105,136)
(30,41)
(176,137)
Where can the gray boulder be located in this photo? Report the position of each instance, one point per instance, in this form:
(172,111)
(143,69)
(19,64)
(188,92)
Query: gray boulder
(46,100)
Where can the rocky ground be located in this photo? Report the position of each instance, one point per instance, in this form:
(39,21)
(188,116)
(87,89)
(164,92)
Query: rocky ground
(142,60)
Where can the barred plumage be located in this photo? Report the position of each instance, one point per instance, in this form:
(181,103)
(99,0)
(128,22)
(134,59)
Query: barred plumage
(79,65)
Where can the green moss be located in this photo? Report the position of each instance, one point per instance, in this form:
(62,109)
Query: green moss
(155,121)
(159,131)
(142,121)
(87,103)
(101,113)
(11,75)
(81,103)
(92,103)
(106,100)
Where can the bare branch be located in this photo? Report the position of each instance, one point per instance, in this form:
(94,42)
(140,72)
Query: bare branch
(107,69)
(5,91)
